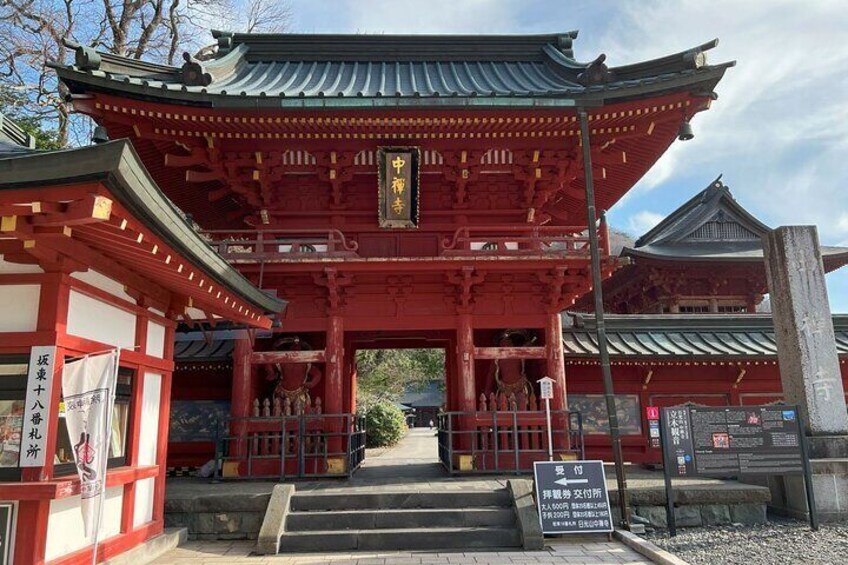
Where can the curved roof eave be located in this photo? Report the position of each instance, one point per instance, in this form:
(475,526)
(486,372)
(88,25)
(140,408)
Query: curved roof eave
(117,165)
(80,81)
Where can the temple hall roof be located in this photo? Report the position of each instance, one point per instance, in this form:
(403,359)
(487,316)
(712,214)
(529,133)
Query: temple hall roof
(13,138)
(332,70)
(713,226)
(140,207)
(682,336)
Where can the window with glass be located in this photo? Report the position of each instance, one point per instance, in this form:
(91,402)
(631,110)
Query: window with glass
(731,308)
(64,459)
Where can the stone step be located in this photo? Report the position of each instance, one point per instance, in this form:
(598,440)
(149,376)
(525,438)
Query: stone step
(401,539)
(312,502)
(397,519)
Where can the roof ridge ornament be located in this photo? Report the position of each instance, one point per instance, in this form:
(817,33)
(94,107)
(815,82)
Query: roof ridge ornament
(596,72)
(86,58)
(193,73)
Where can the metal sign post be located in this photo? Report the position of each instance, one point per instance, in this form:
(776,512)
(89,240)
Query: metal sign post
(546,385)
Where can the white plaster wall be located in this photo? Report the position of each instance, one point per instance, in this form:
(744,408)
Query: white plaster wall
(104,283)
(143,511)
(19,307)
(148,438)
(65,527)
(18,268)
(92,319)
(155,340)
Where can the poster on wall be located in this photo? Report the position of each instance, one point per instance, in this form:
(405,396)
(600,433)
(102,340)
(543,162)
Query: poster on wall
(37,406)
(397,176)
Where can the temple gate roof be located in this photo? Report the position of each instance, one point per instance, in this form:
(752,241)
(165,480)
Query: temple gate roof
(336,70)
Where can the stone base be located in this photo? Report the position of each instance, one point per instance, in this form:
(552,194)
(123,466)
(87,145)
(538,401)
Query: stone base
(828,447)
(830,486)
(695,515)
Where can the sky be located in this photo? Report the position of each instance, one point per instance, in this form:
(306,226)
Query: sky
(778,132)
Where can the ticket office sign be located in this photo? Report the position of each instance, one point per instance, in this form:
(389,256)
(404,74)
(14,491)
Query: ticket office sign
(732,441)
(572,497)
(398,186)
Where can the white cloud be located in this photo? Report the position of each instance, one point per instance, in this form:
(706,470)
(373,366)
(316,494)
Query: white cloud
(432,16)
(779,130)
(642,221)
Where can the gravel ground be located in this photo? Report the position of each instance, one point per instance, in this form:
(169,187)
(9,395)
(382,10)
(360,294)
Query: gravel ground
(781,542)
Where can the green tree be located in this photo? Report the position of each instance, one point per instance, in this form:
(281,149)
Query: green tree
(384,374)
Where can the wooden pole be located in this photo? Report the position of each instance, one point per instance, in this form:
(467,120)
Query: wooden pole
(609,392)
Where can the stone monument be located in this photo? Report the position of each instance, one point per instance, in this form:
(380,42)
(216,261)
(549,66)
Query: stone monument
(809,367)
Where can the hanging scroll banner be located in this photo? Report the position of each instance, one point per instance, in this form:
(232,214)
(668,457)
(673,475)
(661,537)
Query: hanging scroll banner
(88,387)
(398,186)
(37,408)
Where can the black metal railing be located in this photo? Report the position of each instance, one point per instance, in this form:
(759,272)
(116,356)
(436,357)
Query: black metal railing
(290,447)
(506,441)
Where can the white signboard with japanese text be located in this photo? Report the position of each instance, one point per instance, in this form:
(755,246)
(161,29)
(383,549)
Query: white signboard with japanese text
(546,388)
(37,410)
(572,497)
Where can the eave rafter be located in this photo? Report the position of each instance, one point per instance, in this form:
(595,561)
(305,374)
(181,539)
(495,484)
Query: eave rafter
(85,230)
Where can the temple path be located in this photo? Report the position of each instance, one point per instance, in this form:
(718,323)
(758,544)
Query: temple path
(415,456)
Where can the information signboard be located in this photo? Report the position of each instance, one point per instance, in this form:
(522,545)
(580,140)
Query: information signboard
(572,497)
(732,440)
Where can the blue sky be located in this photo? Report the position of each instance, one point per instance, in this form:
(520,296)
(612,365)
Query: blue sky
(778,132)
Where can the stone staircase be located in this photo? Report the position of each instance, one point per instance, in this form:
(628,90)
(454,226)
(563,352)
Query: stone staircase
(364,520)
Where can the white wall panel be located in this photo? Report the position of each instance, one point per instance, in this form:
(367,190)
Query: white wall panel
(156,340)
(149,433)
(143,511)
(19,307)
(18,268)
(65,527)
(93,319)
(104,283)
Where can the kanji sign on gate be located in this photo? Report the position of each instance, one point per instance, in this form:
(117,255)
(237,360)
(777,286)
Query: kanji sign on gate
(572,497)
(398,180)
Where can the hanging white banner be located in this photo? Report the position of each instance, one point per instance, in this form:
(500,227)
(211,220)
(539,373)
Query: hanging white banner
(88,388)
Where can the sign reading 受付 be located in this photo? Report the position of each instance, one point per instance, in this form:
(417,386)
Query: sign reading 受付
(398,185)
(572,497)
(732,440)
(37,408)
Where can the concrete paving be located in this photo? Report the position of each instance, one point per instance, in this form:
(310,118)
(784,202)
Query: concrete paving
(559,551)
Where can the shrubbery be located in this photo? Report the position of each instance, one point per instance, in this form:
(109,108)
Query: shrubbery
(384,425)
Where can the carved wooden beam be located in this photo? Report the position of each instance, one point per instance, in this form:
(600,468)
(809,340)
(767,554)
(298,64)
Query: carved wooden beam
(271,357)
(509,352)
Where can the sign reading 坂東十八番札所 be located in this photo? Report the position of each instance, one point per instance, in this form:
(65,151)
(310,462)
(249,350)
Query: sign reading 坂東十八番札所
(398,186)
(572,497)
(37,408)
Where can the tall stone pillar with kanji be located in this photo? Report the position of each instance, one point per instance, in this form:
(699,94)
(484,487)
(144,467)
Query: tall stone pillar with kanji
(809,365)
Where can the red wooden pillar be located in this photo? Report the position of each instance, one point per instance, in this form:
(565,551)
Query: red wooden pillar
(556,371)
(465,389)
(241,400)
(334,380)
(555,360)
